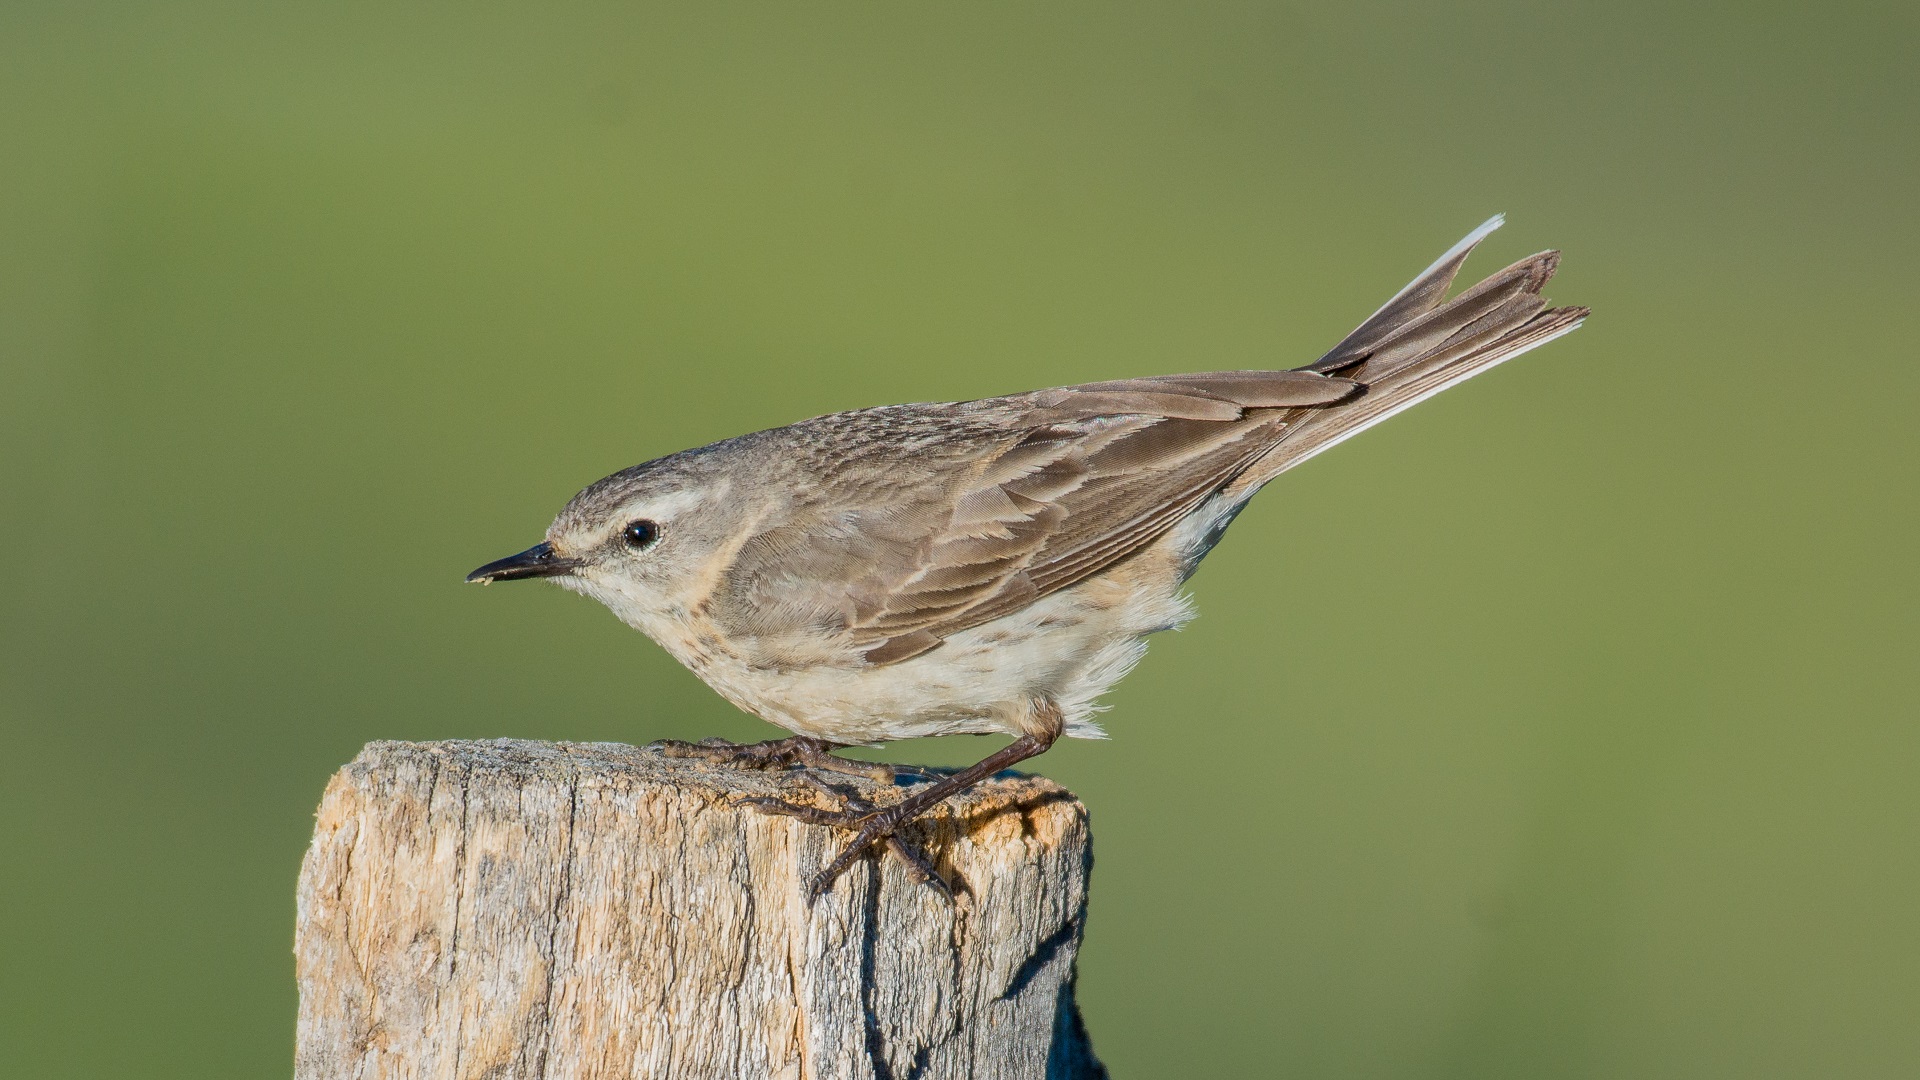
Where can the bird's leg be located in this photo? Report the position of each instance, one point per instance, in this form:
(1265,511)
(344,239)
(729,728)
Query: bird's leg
(873,825)
(919,867)
(776,754)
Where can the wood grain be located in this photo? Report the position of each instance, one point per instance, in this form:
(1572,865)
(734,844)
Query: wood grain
(518,909)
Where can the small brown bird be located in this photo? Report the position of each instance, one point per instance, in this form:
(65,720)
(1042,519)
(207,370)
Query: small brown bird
(988,566)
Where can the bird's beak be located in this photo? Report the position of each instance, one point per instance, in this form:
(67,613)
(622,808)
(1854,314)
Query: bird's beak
(540,560)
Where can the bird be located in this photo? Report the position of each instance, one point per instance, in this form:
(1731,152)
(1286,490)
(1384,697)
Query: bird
(991,566)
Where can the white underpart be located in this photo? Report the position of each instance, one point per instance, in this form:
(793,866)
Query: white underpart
(1068,648)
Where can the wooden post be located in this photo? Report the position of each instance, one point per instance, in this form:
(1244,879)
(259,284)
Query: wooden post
(519,909)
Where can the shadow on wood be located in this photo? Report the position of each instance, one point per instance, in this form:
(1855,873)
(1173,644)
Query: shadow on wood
(519,909)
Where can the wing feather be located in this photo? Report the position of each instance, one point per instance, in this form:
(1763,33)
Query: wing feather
(1098,500)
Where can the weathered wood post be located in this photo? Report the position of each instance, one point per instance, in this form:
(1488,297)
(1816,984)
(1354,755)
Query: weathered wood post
(516,909)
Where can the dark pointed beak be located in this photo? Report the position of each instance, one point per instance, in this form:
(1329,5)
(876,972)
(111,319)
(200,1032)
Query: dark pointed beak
(540,560)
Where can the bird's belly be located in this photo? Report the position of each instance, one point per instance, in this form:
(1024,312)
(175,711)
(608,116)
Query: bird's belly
(1066,648)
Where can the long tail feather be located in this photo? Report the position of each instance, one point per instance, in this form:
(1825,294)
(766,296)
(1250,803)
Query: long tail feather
(1416,346)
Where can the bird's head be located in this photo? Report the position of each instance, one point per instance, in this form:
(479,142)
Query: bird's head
(646,541)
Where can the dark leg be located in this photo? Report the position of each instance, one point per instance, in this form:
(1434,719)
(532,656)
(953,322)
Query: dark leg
(919,867)
(776,754)
(875,825)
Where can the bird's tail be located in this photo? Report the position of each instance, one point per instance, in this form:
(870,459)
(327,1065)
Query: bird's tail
(1416,346)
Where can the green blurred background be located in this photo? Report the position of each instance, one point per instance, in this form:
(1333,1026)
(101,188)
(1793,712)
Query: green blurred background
(1595,757)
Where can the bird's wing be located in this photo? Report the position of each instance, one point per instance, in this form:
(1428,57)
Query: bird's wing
(931,520)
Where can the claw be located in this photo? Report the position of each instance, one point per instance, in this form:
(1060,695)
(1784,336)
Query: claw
(919,868)
(812,815)
(870,824)
(876,824)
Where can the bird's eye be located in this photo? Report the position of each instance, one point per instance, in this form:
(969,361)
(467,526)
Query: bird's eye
(640,533)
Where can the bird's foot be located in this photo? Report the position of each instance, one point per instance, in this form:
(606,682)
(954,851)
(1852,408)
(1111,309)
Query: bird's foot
(776,754)
(869,824)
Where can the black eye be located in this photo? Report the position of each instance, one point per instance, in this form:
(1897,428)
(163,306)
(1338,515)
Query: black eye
(640,533)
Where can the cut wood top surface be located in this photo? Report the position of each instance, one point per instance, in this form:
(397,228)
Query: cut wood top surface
(621,764)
